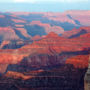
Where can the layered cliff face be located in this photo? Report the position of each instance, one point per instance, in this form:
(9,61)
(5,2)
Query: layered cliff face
(50,51)
(53,50)
(79,61)
(7,33)
(52,59)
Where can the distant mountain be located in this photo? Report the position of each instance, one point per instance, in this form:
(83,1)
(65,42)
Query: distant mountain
(76,32)
(25,25)
(67,20)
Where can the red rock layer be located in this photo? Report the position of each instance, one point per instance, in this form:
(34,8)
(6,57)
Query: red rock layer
(80,61)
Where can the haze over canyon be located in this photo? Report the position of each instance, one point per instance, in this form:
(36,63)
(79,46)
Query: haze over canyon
(44,50)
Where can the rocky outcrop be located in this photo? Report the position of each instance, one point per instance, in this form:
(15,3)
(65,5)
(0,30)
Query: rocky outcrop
(80,61)
(17,75)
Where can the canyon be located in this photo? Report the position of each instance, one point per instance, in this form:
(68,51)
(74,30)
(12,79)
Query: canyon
(41,51)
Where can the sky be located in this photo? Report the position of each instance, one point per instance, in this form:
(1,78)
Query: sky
(43,5)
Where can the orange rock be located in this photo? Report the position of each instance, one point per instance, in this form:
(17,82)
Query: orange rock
(80,61)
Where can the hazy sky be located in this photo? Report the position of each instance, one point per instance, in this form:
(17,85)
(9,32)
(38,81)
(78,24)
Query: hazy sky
(44,5)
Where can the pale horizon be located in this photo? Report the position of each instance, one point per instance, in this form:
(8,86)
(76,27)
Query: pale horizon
(43,5)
